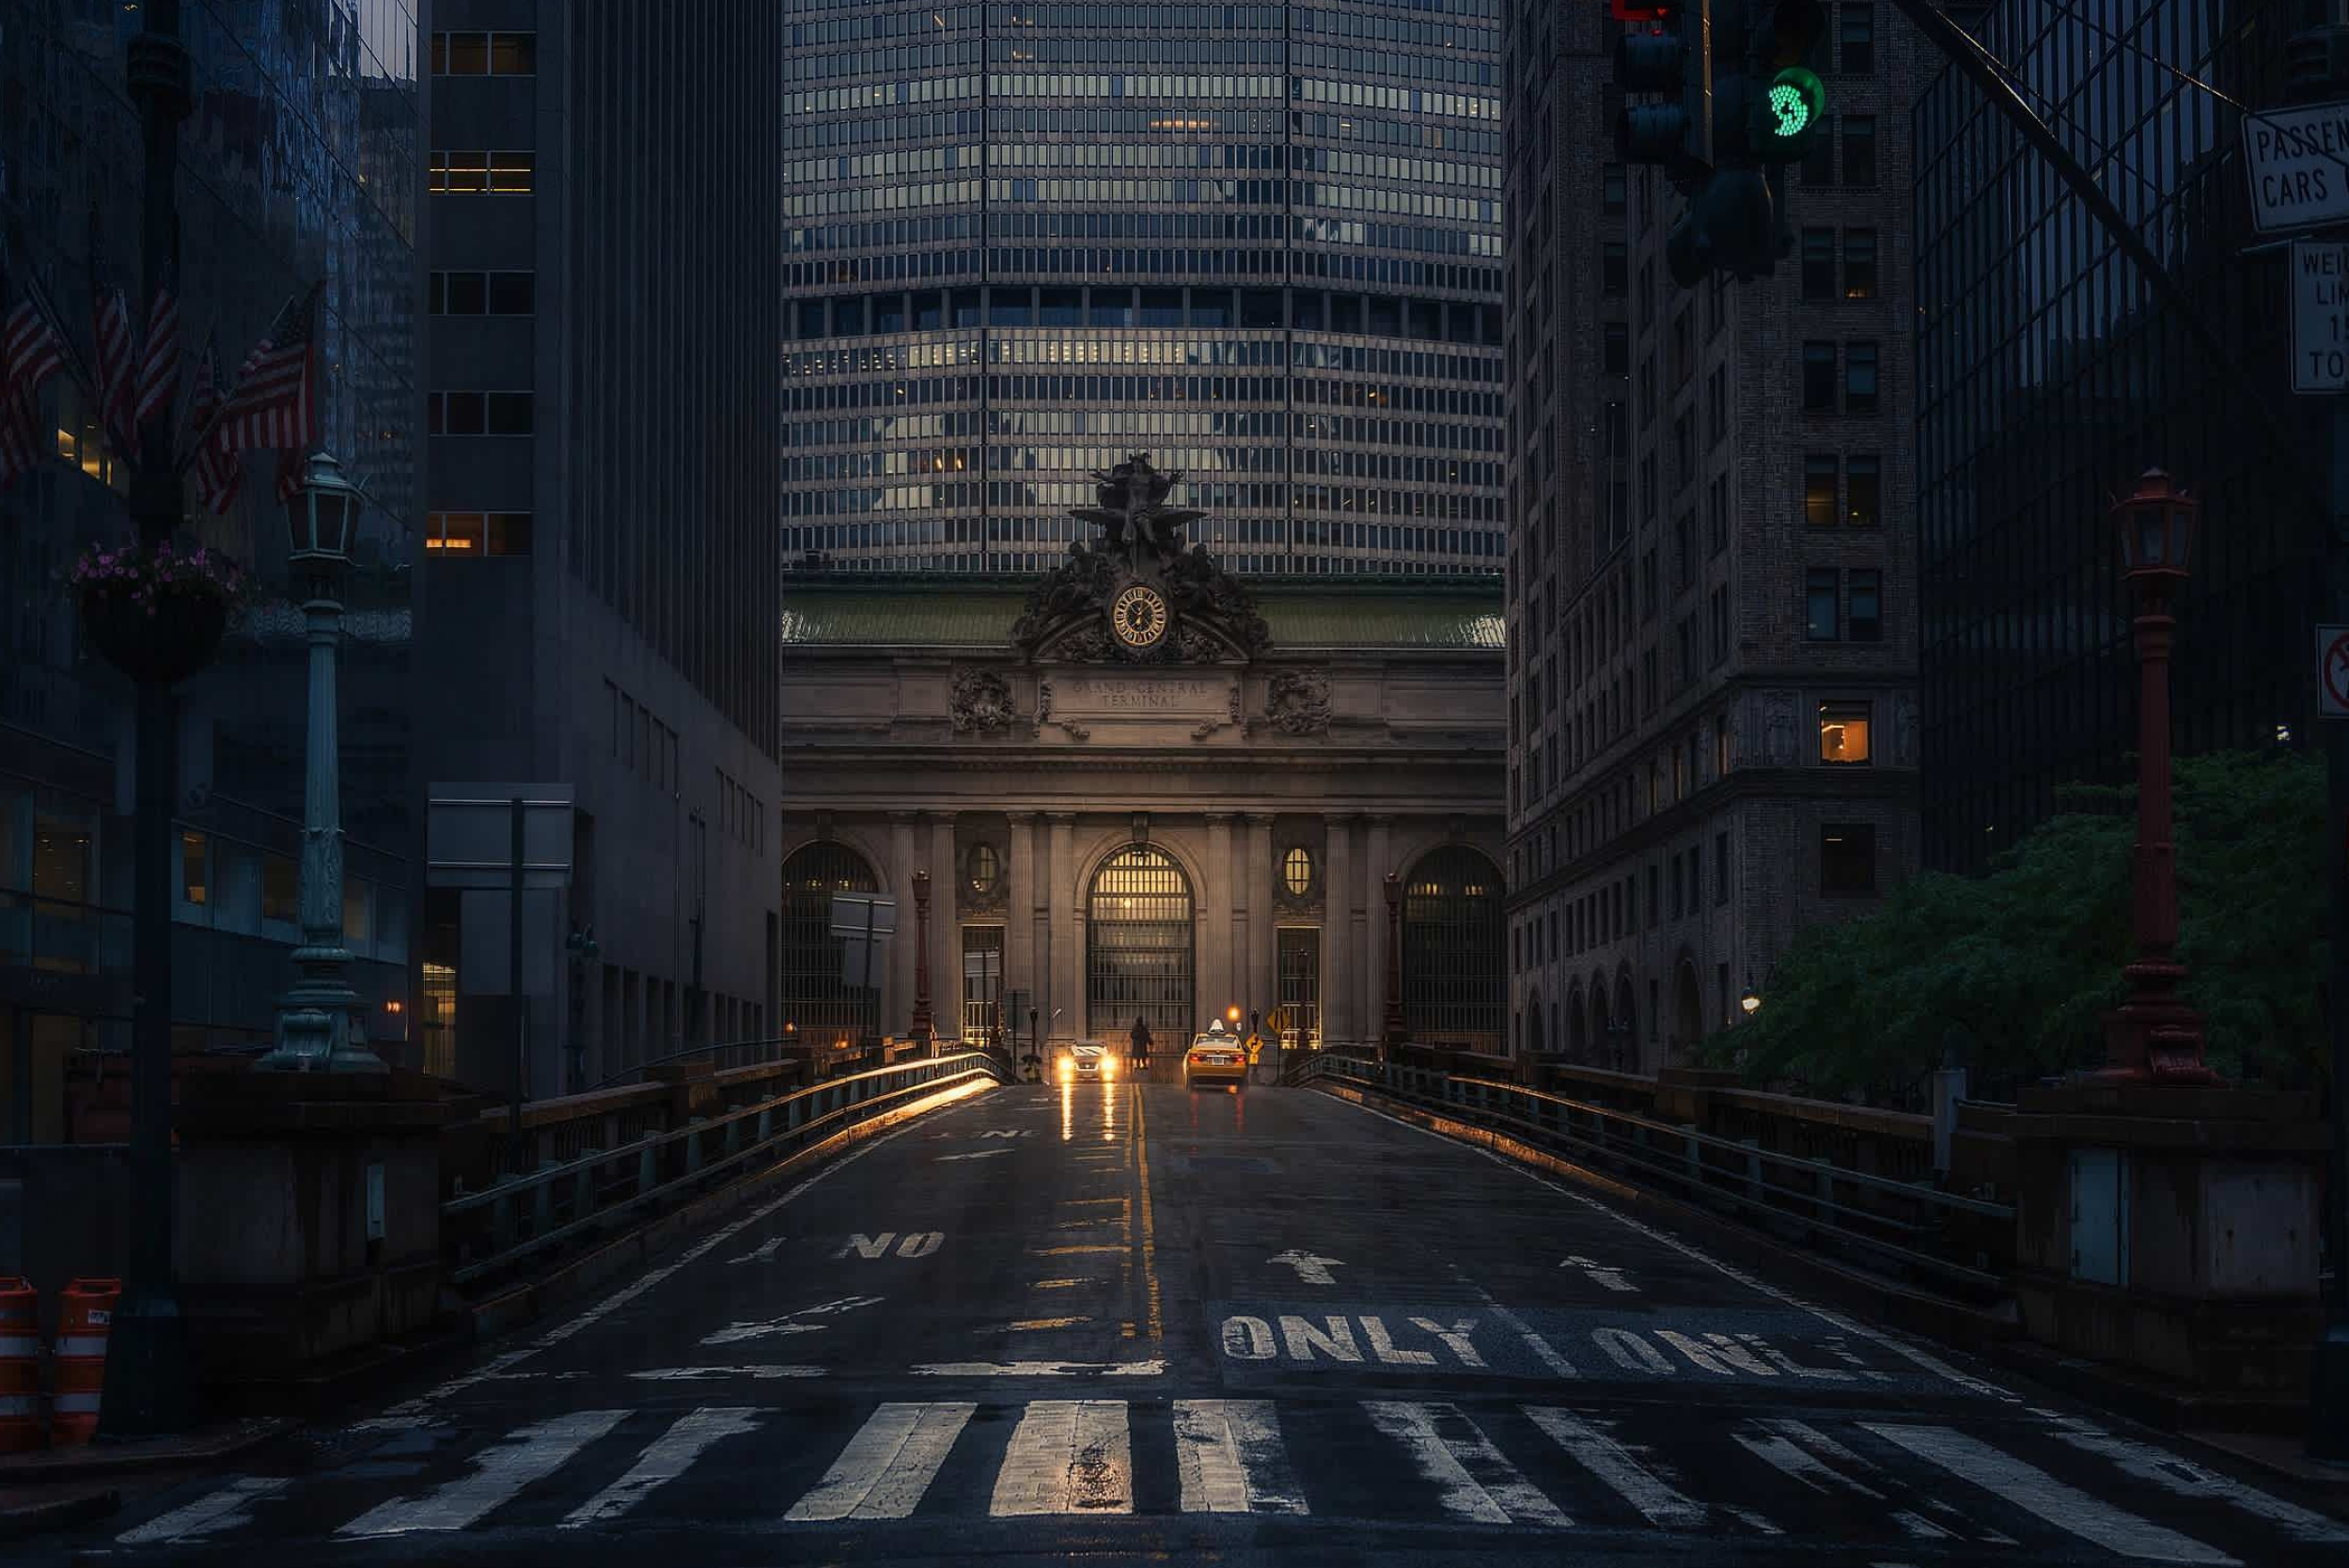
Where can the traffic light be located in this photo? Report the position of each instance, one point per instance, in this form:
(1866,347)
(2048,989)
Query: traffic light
(1670,56)
(1787,105)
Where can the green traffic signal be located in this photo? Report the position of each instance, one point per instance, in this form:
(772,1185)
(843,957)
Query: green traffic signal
(1788,116)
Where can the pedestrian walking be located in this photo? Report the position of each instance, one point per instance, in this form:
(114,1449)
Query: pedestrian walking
(1140,1042)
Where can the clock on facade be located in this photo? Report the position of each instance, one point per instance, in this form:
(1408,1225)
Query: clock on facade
(1138,615)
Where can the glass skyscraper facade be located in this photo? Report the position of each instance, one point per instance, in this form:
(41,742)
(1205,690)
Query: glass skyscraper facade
(2050,376)
(1262,242)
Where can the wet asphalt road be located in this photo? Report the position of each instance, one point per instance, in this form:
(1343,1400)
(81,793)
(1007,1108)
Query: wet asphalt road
(1120,1320)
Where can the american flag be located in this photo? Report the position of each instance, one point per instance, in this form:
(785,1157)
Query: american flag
(110,334)
(273,404)
(219,474)
(158,366)
(31,351)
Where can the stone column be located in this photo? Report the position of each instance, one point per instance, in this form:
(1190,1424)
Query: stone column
(1255,937)
(1215,990)
(897,990)
(1068,954)
(1341,969)
(946,929)
(1022,964)
(1371,995)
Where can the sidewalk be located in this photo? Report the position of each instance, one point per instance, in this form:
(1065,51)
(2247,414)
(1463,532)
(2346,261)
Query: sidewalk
(58,1488)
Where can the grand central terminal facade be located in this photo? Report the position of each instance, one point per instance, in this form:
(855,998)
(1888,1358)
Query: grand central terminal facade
(1141,791)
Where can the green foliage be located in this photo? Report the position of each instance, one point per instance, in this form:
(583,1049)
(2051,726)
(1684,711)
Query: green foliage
(2008,975)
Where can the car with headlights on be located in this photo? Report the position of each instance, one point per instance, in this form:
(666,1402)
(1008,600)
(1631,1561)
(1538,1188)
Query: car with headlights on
(1086,1064)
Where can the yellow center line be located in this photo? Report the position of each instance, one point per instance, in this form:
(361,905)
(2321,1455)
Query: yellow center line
(1149,1233)
(1030,1326)
(1069,1252)
(1080,1203)
(1058,1284)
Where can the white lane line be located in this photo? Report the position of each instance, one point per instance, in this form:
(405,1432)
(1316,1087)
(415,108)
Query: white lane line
(1800,1452)
(1067,1456)
(1605,1458)
(887,1465)
(762,1253)
(665,1459)
(1475,1483)
(499,1472)
(2036,1492)
(1230,1455)
(1915,1354)
(2184,1479)
(1040,1368)
(397,1417)
(762,1371)
(207,1517)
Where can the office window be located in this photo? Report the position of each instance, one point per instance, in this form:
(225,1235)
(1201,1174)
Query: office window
(1863,491)
(1613,192)
(1847,858)
(281,888)
(1818,166)
(1718,405)
(1614,269)
(1867,606)
(1844,733)
(1818,264)
(475,293)
(469,173)
(1859,378)
(513,293)
(478,414)
(1859,263)
(1822,622)
(1819,490)
(1720,867)
(1618,360)
(1859,149)
(1818,378)
(195,882)
(1858,38)
(454,533)
(484,54)
(1720,625)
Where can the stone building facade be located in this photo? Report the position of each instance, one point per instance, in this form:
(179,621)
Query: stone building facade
(1713,639)
(1109,838)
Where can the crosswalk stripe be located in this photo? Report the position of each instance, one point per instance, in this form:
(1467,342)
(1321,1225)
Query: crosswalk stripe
(887,1465)
(1603,1457)
(665,1459)
(2035,1490)
(1475,1483)
(499,1472)
(2143,1462)
(1231,1459)
(1795,1450)
(222,1510)
(1067,1456)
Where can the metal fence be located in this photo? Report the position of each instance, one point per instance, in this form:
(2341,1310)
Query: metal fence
(1910,1228)
(585,1193)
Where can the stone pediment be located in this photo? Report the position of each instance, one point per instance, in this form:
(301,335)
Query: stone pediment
(1140,595)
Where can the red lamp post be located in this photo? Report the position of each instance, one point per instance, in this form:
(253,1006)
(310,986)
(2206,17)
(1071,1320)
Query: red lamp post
(2153,1037)
(923,1028)
(1393,1033)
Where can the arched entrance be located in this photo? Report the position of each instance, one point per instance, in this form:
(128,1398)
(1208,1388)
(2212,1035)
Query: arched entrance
(1454,991)
(1627,1022)
(1577,1029)
(1688,1027)
(820,1003)
(1137,948)
(1534,1043)
(1602,1043)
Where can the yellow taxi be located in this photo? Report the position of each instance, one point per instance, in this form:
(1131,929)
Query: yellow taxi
(1214,1058)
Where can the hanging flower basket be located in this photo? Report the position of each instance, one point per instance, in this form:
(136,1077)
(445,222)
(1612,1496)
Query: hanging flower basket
(157,615)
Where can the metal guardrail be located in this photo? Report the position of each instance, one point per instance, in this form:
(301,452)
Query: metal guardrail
(1915,1226)
(568,1200)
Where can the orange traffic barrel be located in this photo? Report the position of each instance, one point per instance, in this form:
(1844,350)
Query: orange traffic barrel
(84,1315)
(22,1429)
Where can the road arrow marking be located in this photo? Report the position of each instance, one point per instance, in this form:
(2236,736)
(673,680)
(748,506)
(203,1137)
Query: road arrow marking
(1311,1270)
(1611,1277)
(981,1155)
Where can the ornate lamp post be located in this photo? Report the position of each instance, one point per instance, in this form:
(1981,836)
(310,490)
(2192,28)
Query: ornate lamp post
(321,1022)
(1392,1030)
(2154,1036)
(1749,1001)
(924,1026)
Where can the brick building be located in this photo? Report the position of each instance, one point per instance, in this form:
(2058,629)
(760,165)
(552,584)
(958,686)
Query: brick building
(1711,561)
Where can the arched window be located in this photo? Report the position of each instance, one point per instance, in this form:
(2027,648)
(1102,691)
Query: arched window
(1137,948)
(1454,991)
(985,867)
(819,1002)
(1296,871)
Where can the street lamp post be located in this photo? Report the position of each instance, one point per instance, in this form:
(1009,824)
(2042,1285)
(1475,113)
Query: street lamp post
(1392,1031)
(924,1027)
(1749,1001)
(2155,1036)
(321,1022)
